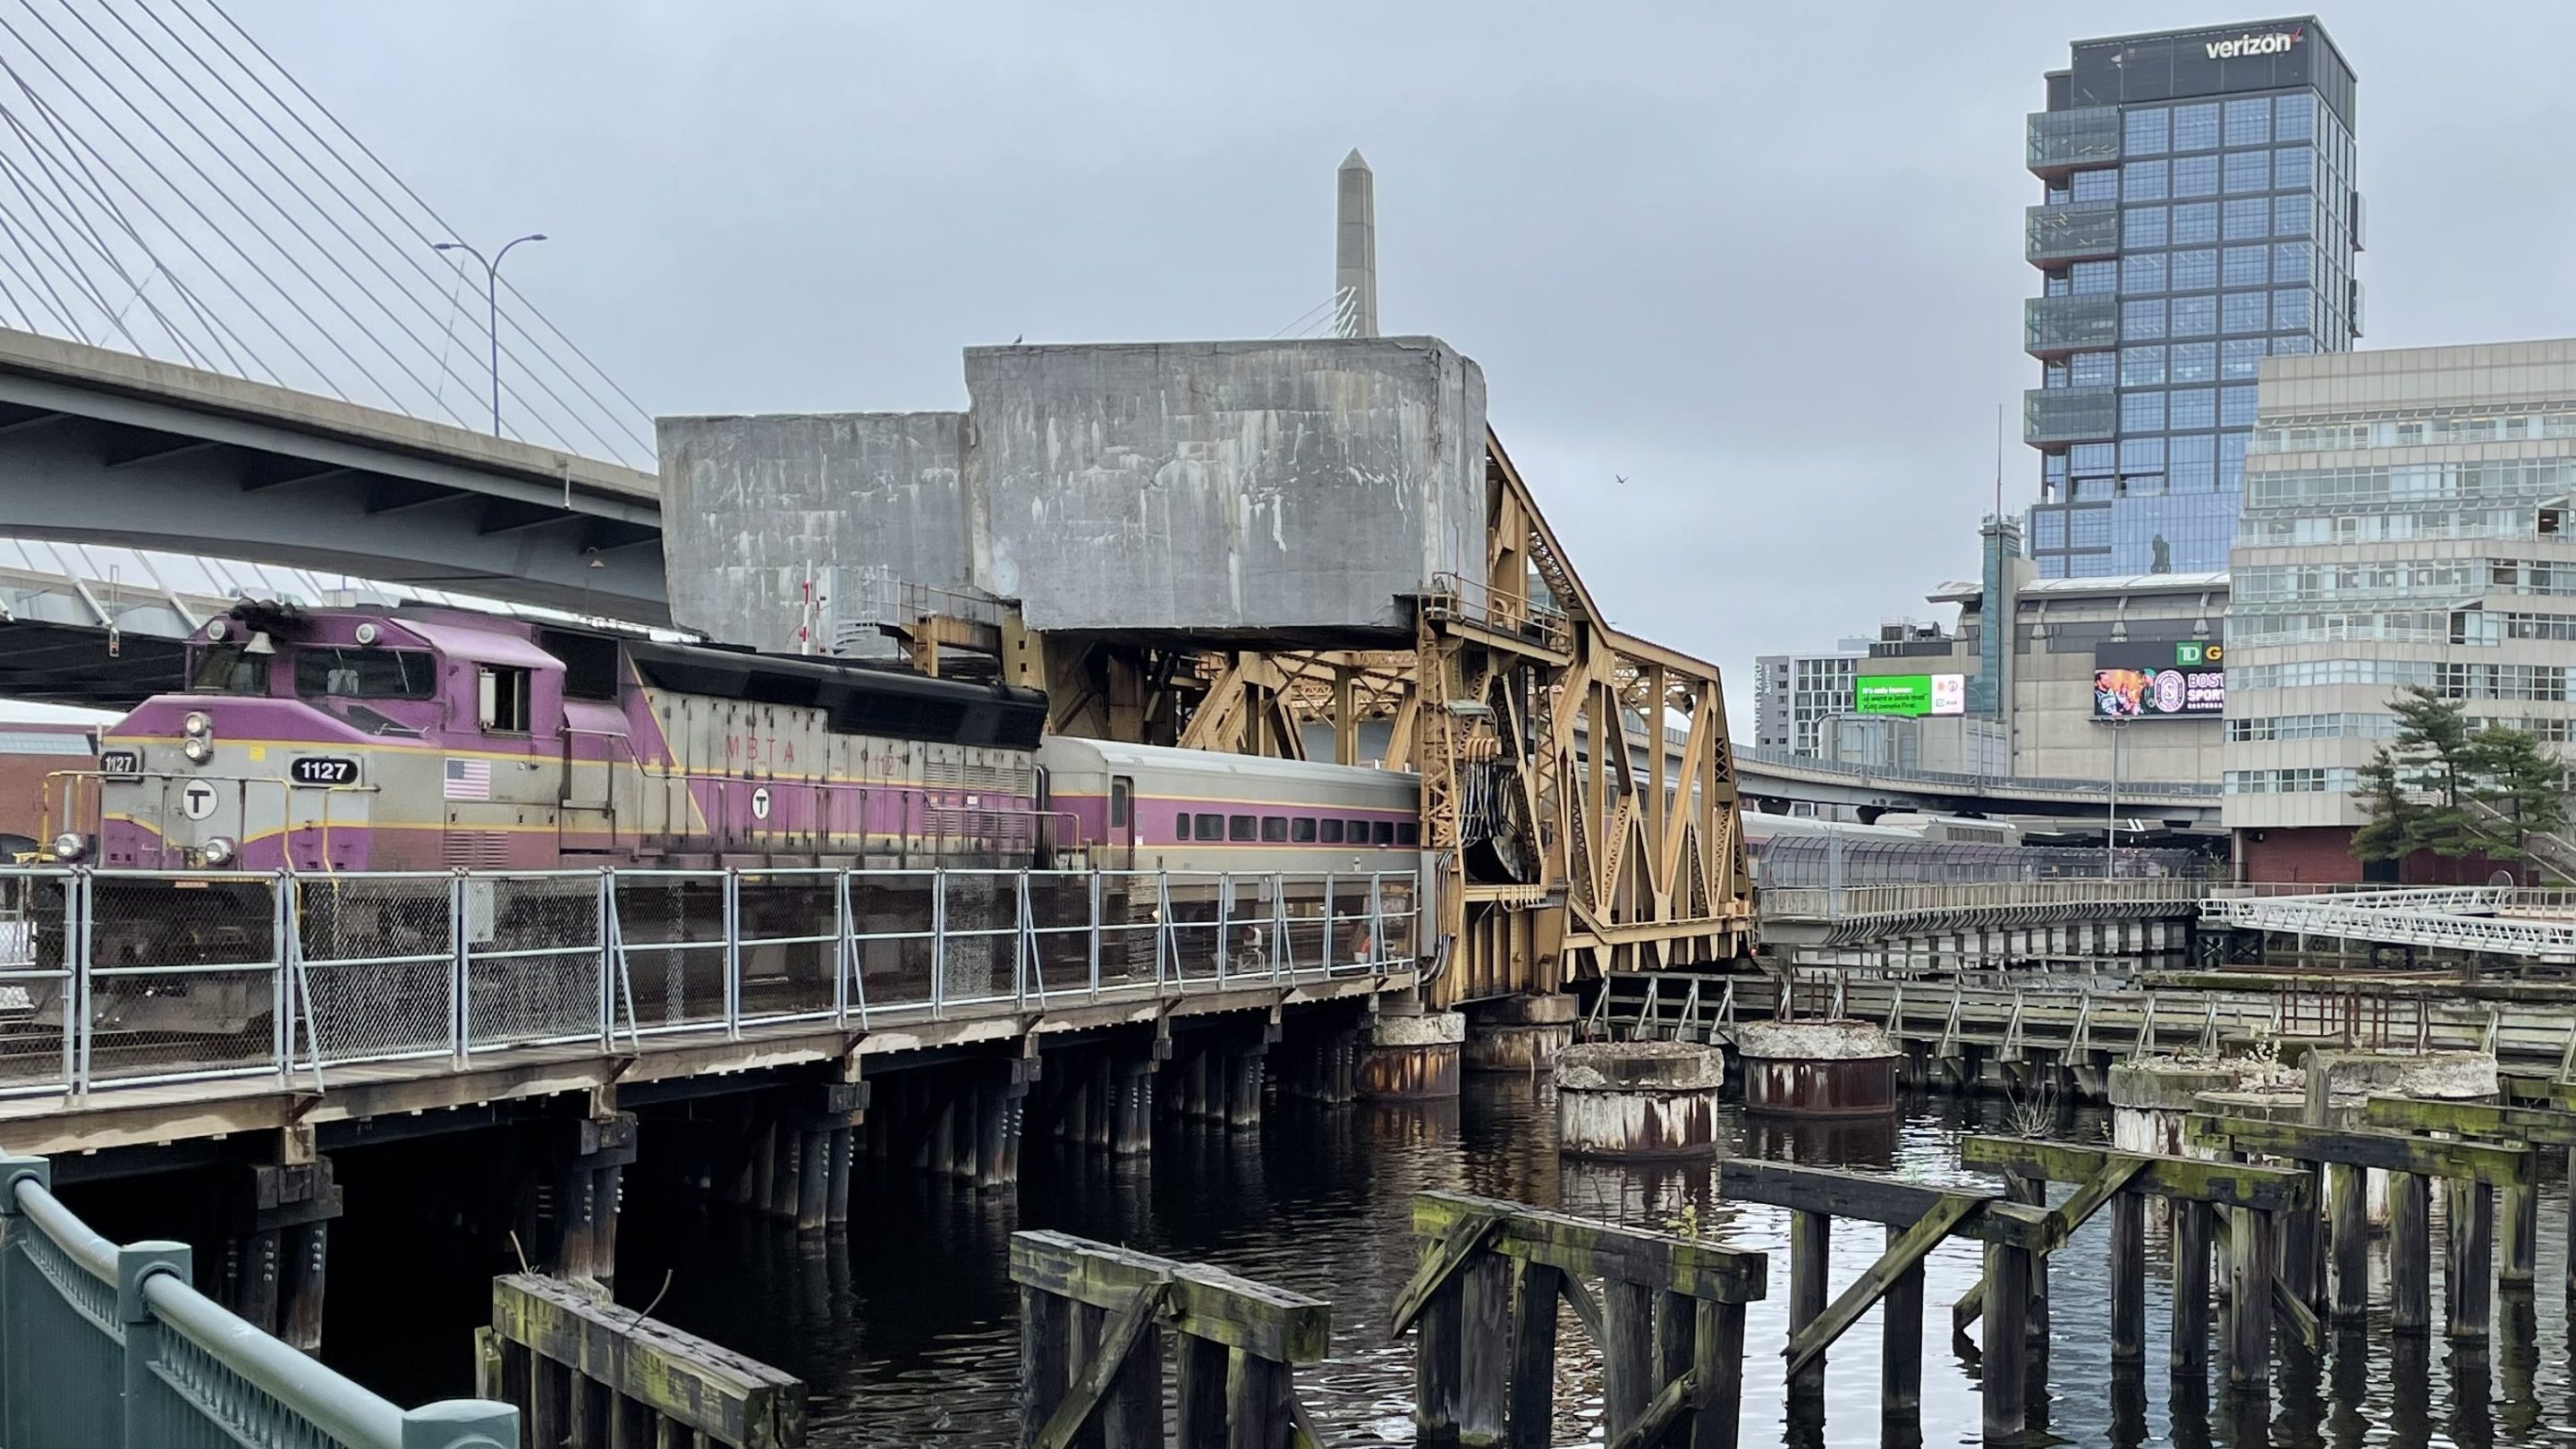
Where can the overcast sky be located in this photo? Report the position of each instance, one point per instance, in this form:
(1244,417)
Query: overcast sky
(1764,260)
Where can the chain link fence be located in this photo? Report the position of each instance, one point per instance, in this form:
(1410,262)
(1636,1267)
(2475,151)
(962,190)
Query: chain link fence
(376,965)
(183,976)
(39,921)
(534,958)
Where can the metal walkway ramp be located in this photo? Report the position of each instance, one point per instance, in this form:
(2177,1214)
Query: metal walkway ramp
(2539,925)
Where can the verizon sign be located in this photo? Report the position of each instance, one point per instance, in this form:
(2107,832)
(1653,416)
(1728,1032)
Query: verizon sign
(2278,42)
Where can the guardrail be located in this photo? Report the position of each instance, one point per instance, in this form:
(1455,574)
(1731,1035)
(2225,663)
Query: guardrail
(1983,898)
(107,1346)
(114,978)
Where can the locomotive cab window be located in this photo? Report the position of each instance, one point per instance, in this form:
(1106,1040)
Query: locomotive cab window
(1274,829)
(228,669)
(1302,830)
(365,673)
(1240,827)
(1211,827)
(505,704)
(1332,831)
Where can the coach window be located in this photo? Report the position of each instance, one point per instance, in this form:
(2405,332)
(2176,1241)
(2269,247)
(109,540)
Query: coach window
(1211,827)
(1332,830)
(504,705)
(1408,833)
(1382,833)
(1359,832)
(1241,828)
(1274,829)
(1302,830)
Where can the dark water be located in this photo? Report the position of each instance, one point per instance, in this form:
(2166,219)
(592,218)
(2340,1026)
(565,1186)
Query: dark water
(905,1330)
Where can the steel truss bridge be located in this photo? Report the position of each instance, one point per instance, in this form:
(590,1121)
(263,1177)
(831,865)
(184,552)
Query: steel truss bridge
(2537,925)
(280,999)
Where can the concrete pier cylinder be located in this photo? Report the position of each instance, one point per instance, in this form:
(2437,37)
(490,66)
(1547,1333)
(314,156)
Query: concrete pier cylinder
(1818,1068)
(1519,1033)
(1412,1056)
(1643,1099)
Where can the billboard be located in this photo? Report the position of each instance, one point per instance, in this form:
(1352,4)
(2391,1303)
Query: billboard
(1910,695)
(2173,679)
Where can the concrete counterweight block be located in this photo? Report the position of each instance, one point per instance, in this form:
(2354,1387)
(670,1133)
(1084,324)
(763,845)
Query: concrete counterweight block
(1641,1099)
(1818,1068)
(1412,1056)
(1519,1033)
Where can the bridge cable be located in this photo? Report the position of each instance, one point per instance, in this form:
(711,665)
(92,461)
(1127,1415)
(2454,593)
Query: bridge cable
(411,254)
(321,375)
(284,253)
(80,224)
(525,307)
(369,256)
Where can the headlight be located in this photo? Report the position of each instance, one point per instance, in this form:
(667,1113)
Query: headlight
(218,851)
(198,749)
(198,724)
(69,846)
(216,629)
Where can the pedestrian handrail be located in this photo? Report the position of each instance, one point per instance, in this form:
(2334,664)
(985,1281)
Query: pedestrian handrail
(2506,920)
(105,1346)
(112,978)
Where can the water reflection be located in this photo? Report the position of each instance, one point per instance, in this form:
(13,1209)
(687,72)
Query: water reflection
(905,1328)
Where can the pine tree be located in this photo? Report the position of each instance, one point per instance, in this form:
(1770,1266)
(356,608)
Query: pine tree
(2416,790)
(2382,797)
(2523,787)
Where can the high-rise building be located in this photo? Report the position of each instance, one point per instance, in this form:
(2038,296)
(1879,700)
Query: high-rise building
(1793,693)
(2407,522)
(2198,216)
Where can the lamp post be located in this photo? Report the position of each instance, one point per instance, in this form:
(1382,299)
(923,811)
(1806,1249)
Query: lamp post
(2111,826)
(492,304)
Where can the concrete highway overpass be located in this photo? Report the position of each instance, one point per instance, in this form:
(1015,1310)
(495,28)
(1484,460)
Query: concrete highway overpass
(98,446)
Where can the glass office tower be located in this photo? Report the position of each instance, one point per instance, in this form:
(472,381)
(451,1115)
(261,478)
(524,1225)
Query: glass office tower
(2199,215)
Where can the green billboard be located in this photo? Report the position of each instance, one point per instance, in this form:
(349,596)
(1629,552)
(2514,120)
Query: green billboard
(1911,695)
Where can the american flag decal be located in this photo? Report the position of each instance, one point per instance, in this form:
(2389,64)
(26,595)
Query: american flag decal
(469,779)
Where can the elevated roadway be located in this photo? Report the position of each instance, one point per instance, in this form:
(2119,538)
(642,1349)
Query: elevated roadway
(98,446)
(1780,778)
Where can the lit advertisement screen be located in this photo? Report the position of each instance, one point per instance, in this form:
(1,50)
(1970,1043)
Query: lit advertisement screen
(2183,679)
(1910,695)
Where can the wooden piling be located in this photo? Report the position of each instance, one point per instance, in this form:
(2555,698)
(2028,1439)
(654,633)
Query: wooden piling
(2005,1362)
(1046,1357)
(2128,1278)
(575,1197)
(1134,1136)
(1810,1253)
(2469,1259)
(764,1165)
(1485,1340)
(1533,1371)
(1720,1366)
(1243,1099)
(2517,1236)
(2253,1259)
(1200,1397)
(305,1255)
(813,1177)
(2348,1241)
(1900,1387)
(2410,1254)
(2191,1269)
(836,1191)
(1627,1352)
(992,1134)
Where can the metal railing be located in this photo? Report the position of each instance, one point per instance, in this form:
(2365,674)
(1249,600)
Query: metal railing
(1977,898)
(2140,792)
(2504,920)
(120,978)
(108,1346)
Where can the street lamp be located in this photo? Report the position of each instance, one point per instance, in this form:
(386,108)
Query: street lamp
(492,305)
(2111,827)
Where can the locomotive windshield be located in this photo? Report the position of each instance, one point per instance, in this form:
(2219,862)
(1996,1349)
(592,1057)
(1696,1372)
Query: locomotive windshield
(228,669)
(366,673)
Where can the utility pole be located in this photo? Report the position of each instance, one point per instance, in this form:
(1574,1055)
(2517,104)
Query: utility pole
(2111,826)
(491,304)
